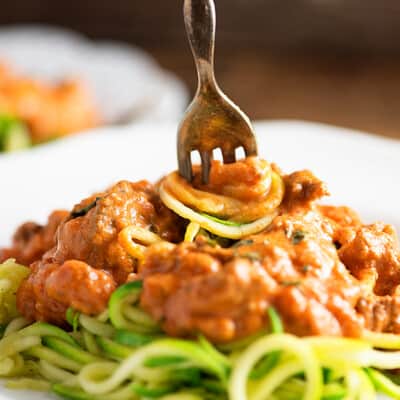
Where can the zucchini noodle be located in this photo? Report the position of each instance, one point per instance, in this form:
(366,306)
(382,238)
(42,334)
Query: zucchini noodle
(122,355)
(134,240)
(210,224)
(11,276)
(227,207)
(221,215)
(191,231)
(388,341)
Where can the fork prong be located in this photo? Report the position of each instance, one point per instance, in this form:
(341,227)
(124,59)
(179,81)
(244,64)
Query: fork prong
(206,158)
(228,156)
(185,166)
(250,148)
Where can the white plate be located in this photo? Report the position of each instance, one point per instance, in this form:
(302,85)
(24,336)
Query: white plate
(124,79)
(361,170)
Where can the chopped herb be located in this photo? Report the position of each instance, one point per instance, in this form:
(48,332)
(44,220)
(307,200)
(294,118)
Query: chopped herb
(251,255)
(244,242)
(298,236)
(213,240)
(306,268)
(83,211)
(337,244)
(290,283)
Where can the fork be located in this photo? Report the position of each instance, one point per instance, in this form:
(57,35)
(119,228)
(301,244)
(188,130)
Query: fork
(212,120)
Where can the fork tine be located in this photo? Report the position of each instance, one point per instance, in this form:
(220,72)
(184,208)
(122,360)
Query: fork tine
(250,148)
(228,156)
(185,166)
(206,158)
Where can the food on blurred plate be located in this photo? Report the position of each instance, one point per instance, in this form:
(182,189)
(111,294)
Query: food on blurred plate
(33,111)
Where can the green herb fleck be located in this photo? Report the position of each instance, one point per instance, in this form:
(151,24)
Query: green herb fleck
(83,211)
(337,244)
(244,242)
(251,255)
(290,283)
(306,268)
(298,236)
(214,240)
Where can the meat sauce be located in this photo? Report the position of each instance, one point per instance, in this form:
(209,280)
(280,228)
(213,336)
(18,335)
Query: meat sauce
(86,262)
(323,270)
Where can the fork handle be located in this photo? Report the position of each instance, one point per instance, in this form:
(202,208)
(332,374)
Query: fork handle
(200,22)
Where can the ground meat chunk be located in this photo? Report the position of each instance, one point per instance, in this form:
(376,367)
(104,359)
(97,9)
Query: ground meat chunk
(302,189)
(33,301)
(373,257)
(224,293)
(32,240)
(91,287)
(243,180)
(93,236)
(87,260)
(204,290)
(343,221)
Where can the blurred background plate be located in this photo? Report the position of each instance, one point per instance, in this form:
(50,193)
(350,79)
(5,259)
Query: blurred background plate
(127,83)
(360,170)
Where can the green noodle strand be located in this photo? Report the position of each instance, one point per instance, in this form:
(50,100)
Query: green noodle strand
(53,373)
(76,393)
(213,352)
(267,363)
(89,381)
(74,353)
(96,327)
(276,342)
(139,316)
(338,353)
(128,294)
(113,349)
(89,341)
(262,389)
(45,329)
(383,359)
(384,384)
(44,353)
(15,325)
(12,345)
(39,385)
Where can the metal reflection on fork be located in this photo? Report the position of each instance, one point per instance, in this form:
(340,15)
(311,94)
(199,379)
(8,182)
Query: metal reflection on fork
(212,119)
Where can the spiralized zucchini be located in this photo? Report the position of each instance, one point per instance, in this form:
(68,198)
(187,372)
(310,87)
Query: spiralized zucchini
(122,355)
(270,190)
(11,276)
(213,212)
(134,240)
(211,224)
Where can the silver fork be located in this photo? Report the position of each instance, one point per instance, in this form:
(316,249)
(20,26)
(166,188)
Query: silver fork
(212,119)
